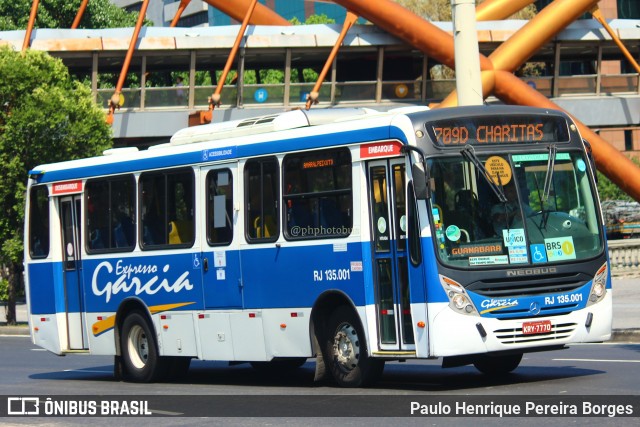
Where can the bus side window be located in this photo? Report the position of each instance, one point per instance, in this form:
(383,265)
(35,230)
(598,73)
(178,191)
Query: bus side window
(261,194)
(39,222)
(110,207)
(219,207)
(166,208)
(317,196)
(97,200)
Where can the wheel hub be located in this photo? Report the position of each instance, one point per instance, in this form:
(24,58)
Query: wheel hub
(346,347)
(138,347)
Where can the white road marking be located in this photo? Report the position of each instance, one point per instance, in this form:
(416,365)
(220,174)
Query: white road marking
(598,360)
(88,371)
(157,411)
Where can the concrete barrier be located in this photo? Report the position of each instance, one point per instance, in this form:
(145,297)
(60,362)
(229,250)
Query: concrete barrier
(624,255)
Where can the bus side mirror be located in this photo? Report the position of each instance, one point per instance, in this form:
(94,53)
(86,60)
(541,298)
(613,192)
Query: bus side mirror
(420,182)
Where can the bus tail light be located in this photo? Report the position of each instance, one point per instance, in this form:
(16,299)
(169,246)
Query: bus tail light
(458,298)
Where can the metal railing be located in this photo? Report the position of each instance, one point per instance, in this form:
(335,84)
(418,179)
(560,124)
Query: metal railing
(410,91)
(624,255)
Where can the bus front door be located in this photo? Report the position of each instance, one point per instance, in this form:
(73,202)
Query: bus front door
(70,214)
(387,182)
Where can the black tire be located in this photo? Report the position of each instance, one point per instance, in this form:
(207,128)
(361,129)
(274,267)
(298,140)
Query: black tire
(346,351)
(141,363)
(279,366)
(497,365)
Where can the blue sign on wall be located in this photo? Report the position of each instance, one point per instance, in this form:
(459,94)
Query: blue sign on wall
(260,95)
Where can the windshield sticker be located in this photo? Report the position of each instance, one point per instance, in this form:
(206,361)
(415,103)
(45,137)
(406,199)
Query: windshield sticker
(513,237)
(581,165)
(453,233)
(518,255)
(499,170)
(539,157)
(538,253)
(382,225)
(489,260)
(560,248)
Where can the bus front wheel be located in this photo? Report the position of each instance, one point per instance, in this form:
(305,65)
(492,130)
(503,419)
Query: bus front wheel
(140,350)
(347,352)
(497,365)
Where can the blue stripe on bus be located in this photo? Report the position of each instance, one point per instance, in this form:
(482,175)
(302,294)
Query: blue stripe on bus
(534,305)
(42,298)
(196,157)
(272,277)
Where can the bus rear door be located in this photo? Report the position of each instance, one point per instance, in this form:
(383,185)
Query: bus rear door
(387,181)
(70,214)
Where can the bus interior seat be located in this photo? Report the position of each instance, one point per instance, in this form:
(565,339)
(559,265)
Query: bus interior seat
(123,233)
(180,232)
(330,215)
(269,227)
(95,238)
(300,214)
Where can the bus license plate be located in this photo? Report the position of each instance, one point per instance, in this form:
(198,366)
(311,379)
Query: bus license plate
(540,327)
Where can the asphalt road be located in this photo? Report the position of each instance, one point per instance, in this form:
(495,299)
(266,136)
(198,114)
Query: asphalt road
(593,371)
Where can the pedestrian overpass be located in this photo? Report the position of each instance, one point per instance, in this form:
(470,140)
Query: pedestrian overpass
(580,71)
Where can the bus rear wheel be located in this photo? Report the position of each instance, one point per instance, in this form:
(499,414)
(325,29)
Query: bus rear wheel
(139,349)
(497,365)
(347,352)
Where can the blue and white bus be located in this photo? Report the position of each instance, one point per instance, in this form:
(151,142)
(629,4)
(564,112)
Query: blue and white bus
(354,237)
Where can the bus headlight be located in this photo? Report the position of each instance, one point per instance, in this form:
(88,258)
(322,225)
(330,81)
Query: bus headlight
(599,287)
(459,301)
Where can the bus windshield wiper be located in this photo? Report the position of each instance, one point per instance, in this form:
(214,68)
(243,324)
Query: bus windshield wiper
(548,179)
(470,155)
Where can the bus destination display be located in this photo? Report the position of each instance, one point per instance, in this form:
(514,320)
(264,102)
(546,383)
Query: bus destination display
(498,130)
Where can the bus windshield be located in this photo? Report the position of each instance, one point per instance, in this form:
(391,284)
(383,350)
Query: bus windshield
(513,209)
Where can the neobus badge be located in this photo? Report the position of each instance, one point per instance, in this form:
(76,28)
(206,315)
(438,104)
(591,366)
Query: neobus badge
(380,149)
(67,187)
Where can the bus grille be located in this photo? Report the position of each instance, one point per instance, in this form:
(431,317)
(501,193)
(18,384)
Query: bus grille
(515,335)
(529,285)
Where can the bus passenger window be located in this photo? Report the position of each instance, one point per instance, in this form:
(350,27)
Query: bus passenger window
(318,194)
(261,194)
(39,222)
(219,207)
(110,214)
(167,208)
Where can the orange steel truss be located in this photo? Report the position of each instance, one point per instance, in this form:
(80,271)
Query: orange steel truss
(214,100)
(237,9)
(497,69)
(114,102)
(348,23)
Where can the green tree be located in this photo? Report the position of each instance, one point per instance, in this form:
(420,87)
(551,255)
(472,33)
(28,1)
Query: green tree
(14,15)
(610,191)
(45,117)
(440,10)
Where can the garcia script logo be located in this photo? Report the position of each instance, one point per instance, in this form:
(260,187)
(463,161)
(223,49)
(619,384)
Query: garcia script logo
(497,304)
(108,280)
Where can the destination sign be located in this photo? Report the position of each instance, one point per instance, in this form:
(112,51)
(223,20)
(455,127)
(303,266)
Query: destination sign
(310,164)
(498,130)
